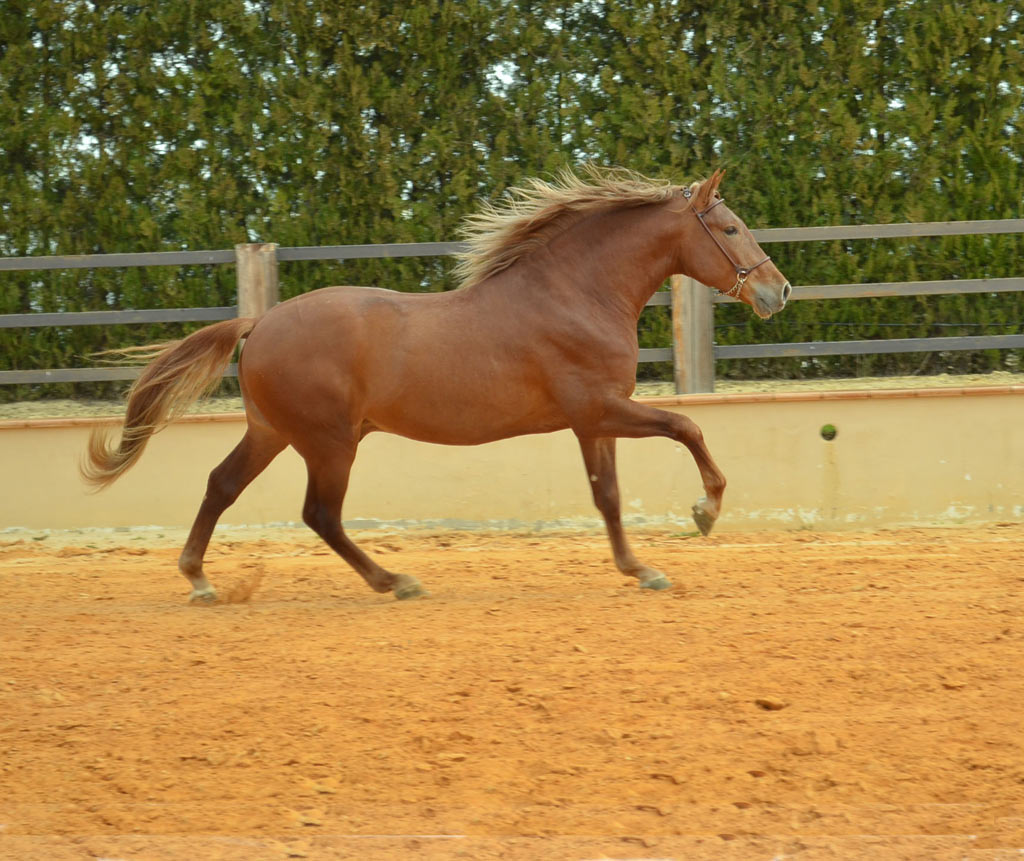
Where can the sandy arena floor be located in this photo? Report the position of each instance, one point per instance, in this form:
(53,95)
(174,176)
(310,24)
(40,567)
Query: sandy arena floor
(796,695)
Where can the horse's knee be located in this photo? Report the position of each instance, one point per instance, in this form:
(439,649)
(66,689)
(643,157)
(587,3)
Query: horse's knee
(688,432)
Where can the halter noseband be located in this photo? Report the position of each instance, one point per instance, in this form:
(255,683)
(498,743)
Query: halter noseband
(741,271)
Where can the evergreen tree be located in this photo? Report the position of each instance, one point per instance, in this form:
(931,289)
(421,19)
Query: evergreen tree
(128,127)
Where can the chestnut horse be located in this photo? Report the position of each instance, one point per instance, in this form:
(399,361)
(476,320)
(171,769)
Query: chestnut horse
(540,337)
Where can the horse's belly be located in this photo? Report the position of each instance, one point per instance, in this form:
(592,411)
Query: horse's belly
(461,423)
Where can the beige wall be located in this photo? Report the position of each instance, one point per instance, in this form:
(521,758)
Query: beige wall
(899,458)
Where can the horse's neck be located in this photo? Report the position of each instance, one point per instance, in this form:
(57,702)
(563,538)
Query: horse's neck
(621,257)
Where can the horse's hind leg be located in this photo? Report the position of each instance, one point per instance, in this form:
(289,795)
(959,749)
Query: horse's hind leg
(599,458)
(249,458)
(328,481)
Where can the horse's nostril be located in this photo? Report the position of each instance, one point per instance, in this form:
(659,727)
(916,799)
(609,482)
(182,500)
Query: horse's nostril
(786,290)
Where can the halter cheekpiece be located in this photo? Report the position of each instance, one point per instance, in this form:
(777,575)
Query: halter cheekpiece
(741,271)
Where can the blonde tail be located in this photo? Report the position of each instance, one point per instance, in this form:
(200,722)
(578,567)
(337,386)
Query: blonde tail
(179,373)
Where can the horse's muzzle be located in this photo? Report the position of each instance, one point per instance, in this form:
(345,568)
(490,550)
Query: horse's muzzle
(768,301)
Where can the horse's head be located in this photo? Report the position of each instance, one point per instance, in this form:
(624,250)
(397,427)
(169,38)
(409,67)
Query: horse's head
(721,252)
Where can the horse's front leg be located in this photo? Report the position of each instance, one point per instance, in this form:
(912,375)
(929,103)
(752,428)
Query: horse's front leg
(599,459)
(625,418)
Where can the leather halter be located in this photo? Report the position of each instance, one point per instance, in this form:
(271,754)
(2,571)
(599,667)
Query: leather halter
(741,271)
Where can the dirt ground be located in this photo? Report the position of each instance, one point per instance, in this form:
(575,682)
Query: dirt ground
(798,695)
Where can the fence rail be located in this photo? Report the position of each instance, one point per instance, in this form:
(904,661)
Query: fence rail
(120,318)
(693,351)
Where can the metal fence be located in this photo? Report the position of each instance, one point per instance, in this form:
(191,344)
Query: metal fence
(693,352)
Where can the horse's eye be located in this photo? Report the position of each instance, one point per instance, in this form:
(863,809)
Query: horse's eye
(731,231)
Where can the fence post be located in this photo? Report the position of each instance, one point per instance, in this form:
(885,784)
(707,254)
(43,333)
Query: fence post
(693,329)
(256,271)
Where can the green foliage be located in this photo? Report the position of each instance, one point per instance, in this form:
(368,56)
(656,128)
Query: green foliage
(131,127)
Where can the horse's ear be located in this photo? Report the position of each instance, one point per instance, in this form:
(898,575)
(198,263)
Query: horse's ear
(706,192)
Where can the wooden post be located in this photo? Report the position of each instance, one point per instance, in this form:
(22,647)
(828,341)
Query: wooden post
(256,271)
(693,330)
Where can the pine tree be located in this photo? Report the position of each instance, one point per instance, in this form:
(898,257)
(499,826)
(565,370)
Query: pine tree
(173,125)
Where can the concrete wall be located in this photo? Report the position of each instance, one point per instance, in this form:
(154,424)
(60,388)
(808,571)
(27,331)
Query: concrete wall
(919,457)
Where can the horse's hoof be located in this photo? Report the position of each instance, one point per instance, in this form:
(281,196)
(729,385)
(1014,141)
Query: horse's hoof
(657,583)
(410,589)
(703,520)
(203,596)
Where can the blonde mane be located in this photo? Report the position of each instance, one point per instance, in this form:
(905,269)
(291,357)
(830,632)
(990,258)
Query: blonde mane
(534,212)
